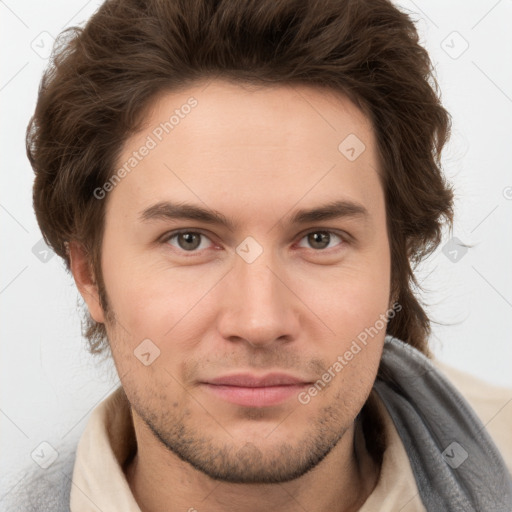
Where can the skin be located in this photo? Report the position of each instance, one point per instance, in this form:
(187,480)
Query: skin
(256,155)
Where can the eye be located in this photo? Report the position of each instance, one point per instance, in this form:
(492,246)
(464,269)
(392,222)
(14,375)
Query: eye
(188,241)
(193,241)
(320,240)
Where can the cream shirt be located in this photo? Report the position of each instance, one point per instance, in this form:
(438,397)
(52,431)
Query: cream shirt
(99,483)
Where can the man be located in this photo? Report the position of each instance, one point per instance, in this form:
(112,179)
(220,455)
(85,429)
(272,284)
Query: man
(240,190)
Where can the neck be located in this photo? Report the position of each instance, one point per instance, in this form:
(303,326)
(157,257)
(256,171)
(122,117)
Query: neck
(159,480)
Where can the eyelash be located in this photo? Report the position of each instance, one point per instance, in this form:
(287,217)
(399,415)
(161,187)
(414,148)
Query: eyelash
(174,234)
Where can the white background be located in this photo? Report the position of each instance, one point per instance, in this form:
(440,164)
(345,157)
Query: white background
(49,383)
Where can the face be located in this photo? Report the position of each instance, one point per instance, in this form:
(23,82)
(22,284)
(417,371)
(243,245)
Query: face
(237,330)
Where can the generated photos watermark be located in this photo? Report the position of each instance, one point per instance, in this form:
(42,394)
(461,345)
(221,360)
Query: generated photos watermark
(157,135)
(343,360)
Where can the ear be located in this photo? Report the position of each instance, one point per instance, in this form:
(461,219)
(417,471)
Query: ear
(83,274)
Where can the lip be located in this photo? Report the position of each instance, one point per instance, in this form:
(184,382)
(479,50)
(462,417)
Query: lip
(255,391)
(248,380)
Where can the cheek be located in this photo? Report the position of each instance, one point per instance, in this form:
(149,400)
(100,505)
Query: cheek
(130,290)
(352,297)
(358,318)
(156,301)
(353,303)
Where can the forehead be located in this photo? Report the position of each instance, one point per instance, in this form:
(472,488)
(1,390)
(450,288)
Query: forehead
(226,141)
(286,115)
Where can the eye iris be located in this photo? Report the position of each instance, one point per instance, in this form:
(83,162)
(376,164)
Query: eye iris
(188,238)
(319,237)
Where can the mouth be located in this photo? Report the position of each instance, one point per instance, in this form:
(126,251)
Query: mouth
(255,391)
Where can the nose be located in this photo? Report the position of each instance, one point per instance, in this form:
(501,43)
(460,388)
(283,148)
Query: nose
(258,305)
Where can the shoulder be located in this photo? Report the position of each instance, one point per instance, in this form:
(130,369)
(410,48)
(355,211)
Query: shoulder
(42,490)
(492,404)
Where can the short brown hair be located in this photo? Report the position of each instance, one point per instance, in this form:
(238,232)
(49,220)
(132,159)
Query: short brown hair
(103,77)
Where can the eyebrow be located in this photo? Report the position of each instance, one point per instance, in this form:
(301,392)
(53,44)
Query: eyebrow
(167,210)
